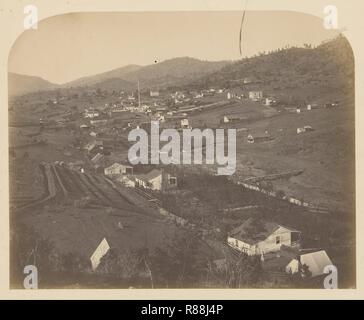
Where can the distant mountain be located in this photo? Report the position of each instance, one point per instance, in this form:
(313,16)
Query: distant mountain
(172,72)
(113,84)
(176,71)
(19,84)
(177,68)
(105,76)
(294,73)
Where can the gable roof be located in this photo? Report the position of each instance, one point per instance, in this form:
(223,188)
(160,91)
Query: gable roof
(114,166)
(98,157)
(90,146)
(253,231)
(150,175)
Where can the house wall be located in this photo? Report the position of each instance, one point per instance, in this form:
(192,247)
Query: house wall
(141,183)
(127,182)
(156,183)
(241,246)
(118,170)
(113,171)
(255,95)
(270,244)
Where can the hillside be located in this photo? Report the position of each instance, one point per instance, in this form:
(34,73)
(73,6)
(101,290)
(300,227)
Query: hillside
(174,70)
(94,79)
(19,84)
(295,73)
(111,84)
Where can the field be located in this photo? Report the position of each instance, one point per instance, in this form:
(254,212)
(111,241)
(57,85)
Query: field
(326,155)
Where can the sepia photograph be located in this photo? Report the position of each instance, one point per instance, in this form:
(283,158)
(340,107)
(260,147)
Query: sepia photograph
(182,150)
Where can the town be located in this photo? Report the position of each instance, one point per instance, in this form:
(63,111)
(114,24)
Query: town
(191,142)
(88,203)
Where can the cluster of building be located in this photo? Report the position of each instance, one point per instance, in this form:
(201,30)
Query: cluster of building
(156,179)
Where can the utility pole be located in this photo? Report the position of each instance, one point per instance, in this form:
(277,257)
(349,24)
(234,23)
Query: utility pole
(138,94)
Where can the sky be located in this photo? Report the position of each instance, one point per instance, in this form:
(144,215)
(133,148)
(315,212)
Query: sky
(67,47)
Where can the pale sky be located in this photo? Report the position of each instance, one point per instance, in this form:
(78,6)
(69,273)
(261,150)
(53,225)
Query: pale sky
(70,46)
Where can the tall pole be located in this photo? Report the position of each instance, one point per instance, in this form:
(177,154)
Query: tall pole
(138,94)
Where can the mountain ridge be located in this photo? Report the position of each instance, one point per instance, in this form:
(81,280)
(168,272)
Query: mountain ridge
(19,84)
(327,67)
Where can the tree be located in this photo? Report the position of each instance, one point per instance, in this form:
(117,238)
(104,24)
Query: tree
(179,264)
(243,272)
(28,248)
(280,194)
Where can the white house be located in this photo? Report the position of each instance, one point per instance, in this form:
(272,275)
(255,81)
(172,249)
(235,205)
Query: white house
(90,146)
(255,95)
(127,181)
(91,113)
(154,93)
(152,180)
(232,118)
(185,124)
(315,261)
(118,169)
(98,122)
(256,237)
(268,101)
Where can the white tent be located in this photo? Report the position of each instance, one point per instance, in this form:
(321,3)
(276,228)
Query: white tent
(315,261)
(100,251)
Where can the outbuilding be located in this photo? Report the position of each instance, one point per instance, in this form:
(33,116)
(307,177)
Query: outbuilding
(315,263)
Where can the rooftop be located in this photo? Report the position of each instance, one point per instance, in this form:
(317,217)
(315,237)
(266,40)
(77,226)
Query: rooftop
(254,230)
(150,175)
(316,261)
